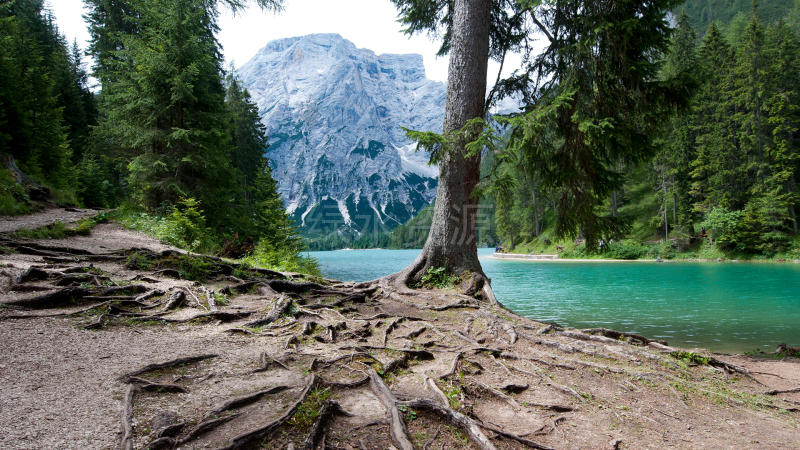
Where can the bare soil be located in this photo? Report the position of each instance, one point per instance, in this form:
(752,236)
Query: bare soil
(115,340)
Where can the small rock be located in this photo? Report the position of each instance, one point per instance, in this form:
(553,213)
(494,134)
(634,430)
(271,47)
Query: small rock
(164,419)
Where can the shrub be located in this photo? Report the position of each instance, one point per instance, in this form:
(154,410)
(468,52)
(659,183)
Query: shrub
(13,198)
(724,227)
(184,226)
(625,249)
(281,258)
(437,277)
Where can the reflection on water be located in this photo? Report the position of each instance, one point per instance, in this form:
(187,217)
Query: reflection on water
(732,307)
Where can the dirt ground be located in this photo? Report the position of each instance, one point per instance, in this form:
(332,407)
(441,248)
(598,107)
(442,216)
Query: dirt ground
(114,340)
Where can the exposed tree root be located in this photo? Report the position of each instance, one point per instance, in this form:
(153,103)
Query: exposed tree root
(267,362)
(786,350)
(389,328)
(294,287)
(328,410)
(470,427)
(281,306)
(63,297)
(254,436)
(206,426)
(782,391)
(167,364)
(246,400)
(430,384)
(222,316)
(514,437)
(126,443)
(618,335)
(343,335)
(175,300)
(481,386)
(397,428)
(147,385)
(59,314)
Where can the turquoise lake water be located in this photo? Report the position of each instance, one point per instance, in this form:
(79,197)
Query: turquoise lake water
(728,307)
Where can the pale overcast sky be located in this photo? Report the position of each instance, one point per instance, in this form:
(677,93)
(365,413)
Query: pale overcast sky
(370,24)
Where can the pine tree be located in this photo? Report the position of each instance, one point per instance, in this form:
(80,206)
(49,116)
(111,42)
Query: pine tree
(714,178)
(164,102)
(679,148)
(782,105)
(35,133)
(261,213)
(603,111)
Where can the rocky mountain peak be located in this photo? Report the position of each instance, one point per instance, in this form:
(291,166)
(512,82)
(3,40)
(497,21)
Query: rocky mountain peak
(334,114)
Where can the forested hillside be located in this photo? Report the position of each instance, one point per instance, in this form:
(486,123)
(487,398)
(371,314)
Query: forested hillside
(169,136)
(734,15)
(46,110)
(727,166)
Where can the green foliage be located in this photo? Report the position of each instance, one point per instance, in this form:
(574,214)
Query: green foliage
(690,358)
(438,278)
(727,160)
(595,114)
(453,393)
(626,249)
(188,140)
(58,230)
(98,183)
(309,409)
(184,227)
(55,230)
(221,299)
(138,261)
(13,198)
(282,258)
(45,105)
(724,226)
(730,13)
(193,268)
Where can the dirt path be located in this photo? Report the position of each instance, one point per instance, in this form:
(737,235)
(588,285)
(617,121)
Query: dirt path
(284,361)
(42,218)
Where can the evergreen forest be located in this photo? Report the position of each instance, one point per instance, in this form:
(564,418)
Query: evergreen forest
(723,180)
(173,141)
(169,137)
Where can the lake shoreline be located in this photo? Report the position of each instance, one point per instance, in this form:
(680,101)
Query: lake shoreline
(345,352)
(550,258)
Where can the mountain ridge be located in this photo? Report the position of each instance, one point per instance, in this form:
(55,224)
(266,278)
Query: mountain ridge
(335,116)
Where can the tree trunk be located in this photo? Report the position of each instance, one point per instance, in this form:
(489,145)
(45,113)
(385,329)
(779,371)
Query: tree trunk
(674,208)
(535,212)
(614,204)
(792,188)
(666,224)
(451,240)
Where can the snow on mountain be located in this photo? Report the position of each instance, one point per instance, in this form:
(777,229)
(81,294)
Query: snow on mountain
(335,116)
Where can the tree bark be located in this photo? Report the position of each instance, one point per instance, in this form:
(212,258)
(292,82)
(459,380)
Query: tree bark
(674,209)
(451,240)
(614,204)
(535,212)
(792,188)
(666,223)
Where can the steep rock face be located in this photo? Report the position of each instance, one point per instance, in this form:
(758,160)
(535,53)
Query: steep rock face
(334,114)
